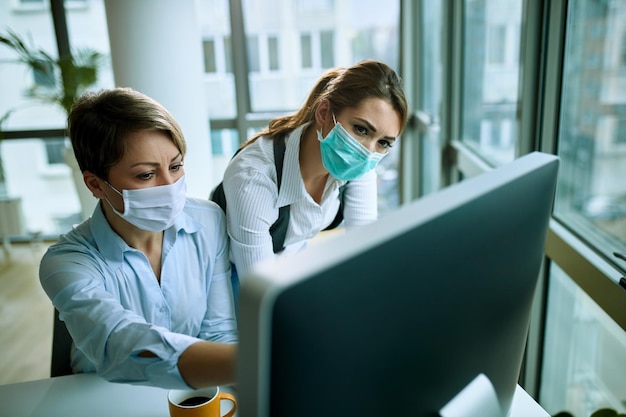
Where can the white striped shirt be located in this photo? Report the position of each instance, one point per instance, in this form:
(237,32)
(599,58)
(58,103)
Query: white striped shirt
(253,202)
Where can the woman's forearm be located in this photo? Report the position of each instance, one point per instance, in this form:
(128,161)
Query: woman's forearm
(207,363)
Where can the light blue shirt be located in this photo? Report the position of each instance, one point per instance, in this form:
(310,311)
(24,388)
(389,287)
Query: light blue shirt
(113,305)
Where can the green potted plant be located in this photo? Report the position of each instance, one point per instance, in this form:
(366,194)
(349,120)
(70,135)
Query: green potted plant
(65,77)
(60,81)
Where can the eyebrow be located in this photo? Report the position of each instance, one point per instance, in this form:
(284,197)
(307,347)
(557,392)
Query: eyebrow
(373,129)
(178,155)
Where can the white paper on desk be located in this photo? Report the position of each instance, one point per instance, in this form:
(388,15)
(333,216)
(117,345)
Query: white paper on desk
(477,399)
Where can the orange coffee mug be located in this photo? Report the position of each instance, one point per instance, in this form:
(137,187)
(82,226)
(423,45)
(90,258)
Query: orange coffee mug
(204,402)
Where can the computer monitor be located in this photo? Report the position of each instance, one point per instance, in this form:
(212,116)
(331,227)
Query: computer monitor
(397,317)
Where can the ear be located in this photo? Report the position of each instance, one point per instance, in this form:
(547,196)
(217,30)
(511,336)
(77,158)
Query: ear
(94,183)
(323,114)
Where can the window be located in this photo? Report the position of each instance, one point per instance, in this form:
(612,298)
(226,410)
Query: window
(362,44)
(48,177)
(583,366)
(497,43)
(224,142)
(490,92)
(622,60)
(55,151)
(306,48)
(317,50)
(32,4)
(44,76)
(210,64)
(327,40)
(315,6)
(591,196)
(228,54)
(584,353)
(291,56)
(273,53)
(254,59)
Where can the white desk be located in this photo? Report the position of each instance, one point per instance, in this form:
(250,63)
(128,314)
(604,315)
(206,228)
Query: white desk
(88,395)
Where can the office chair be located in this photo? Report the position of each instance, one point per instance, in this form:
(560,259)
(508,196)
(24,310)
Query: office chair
(61,348)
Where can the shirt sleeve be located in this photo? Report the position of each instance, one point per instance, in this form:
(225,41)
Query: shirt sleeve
(110,336)
(219,324)
(251,198)
(361,201)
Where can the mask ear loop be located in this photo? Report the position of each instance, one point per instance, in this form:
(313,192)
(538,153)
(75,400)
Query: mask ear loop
(113,188)
(319,132)
(111,204)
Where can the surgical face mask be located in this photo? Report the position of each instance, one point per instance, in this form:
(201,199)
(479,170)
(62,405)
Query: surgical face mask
(154,208)
(344,157)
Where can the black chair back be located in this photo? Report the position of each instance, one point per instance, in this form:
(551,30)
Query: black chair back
(61,348)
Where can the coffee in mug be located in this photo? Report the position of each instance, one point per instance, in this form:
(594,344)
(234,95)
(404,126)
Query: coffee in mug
(204,402)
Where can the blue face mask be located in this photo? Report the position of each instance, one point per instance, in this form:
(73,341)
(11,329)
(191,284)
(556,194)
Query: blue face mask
(344,157)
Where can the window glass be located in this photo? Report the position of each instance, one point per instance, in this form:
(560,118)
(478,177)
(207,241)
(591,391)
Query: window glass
(50,176)
(314,5)
(583,366)
(55,150)
(228,55)
(224,142)
(324,38)
(219,83)
(326,35)
(491,77)
(273,53)
(591,193)
(497,44)
(431,95)
(21,85)
(306,51)
(87,30)
(327,41)
(254,59)
(208,46)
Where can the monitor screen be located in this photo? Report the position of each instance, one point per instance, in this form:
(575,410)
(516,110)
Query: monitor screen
(397,317)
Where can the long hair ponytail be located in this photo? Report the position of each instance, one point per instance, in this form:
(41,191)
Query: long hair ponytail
(344,87)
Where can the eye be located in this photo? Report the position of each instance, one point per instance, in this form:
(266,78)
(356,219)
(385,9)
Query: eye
(176,167)
(146,176)
(361,130)
(385,144)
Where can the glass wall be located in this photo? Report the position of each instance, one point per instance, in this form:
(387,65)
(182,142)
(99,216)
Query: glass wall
(431,97)
(37,163)
(219,82)
(591,197)
(287,51)
(584,352)
(585,362)
(491,52)
(567,57)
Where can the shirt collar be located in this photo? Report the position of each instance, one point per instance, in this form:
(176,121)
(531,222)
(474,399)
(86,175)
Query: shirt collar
(292,187)
(113,247)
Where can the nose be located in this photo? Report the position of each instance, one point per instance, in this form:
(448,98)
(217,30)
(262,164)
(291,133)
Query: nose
(169,178)
(370,145)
